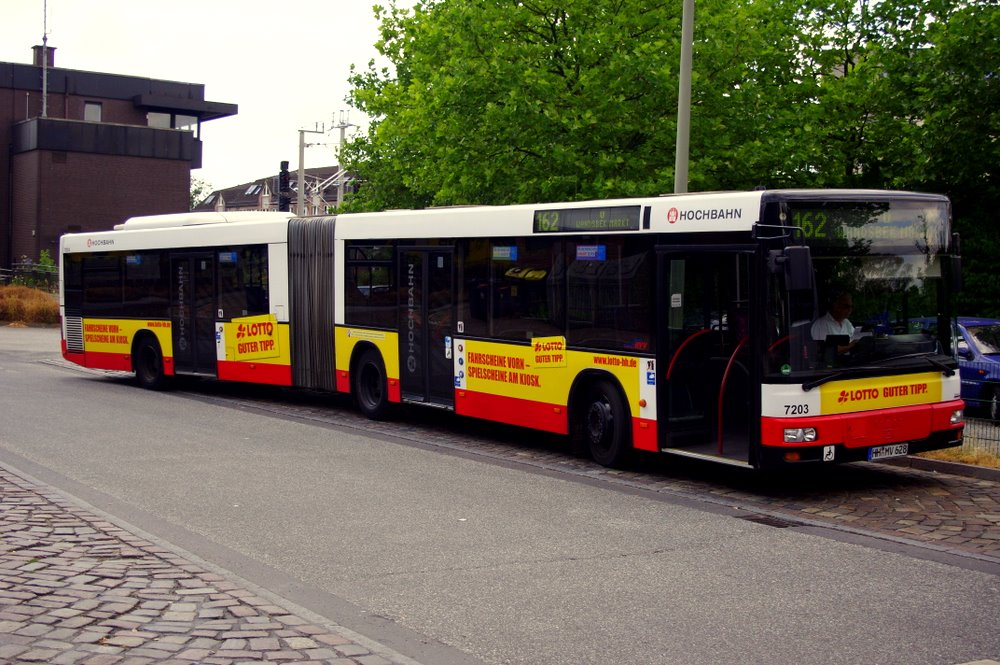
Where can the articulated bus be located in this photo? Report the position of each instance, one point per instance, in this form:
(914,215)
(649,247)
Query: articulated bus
(677,324)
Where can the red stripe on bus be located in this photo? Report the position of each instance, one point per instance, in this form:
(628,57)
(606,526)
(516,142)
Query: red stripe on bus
(511,410)
(119,362)
(344,386)
(343,381)
(77,357)
(250,372)
(644,434)
(865,429)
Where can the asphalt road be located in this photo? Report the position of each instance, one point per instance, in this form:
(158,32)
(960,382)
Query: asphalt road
(452,558)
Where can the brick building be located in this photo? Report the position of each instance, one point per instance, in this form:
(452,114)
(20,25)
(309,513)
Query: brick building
(107,147)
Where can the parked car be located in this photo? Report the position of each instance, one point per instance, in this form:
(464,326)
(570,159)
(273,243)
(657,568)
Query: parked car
(978,348)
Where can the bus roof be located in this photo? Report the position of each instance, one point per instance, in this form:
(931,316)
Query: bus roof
(198,218)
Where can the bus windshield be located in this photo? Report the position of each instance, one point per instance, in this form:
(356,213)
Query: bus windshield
(879,298)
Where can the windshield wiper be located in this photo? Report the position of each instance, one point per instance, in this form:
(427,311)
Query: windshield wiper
(926,355)
(929,357)
(815,383)
(947,371)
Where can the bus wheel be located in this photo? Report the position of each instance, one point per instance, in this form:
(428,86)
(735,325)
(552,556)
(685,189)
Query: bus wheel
(371,388)
(601,424)
(147,360)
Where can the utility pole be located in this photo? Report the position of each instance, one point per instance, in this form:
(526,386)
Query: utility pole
(342,126)
(684,100)
(300,205)
(45,59)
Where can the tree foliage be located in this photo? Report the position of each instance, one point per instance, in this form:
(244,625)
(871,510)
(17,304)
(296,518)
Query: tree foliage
(498,102)
(199,190)
(505,101)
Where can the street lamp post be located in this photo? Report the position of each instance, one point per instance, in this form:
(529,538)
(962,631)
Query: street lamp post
(684,100)
(342,126)
(300,201)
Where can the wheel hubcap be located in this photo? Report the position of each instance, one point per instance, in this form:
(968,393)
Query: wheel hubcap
(599,421)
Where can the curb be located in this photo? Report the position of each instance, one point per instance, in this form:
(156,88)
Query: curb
(942,466)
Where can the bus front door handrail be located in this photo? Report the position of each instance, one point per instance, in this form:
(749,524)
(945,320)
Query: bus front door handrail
(677,353)
(722,385)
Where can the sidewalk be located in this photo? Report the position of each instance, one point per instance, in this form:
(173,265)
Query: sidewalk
(76,589)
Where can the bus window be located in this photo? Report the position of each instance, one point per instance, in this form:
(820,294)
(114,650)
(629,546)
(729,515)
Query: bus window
(474,283)
(523,304)
(102,283)
(243,281)
(146,284)
(369,292)
(609,281)
(73,283)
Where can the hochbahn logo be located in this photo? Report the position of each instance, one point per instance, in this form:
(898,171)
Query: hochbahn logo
(674,215)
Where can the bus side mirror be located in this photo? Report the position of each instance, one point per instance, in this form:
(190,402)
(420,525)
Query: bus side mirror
(796,263)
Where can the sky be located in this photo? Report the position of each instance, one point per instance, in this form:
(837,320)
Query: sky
(285,64)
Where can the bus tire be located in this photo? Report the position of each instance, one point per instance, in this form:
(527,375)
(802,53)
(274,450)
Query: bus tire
(371,386)
(601,424)
(147,361)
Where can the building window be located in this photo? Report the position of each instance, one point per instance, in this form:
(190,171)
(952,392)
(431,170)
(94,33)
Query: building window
(92,111)
(186,122)
(158,120)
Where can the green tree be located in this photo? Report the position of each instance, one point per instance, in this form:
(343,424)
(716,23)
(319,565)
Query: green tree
(199,190)
(497,102)
(503,101)
(961,140)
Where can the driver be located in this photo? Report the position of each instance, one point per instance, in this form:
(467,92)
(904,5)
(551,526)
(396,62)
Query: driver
(835,321)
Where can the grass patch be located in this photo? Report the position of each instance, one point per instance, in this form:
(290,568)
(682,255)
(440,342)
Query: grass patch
(25,305)
(965,456)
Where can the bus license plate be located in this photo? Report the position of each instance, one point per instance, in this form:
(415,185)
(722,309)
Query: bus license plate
(885,452)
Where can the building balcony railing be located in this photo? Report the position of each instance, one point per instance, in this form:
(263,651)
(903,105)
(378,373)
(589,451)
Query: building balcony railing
(56,134)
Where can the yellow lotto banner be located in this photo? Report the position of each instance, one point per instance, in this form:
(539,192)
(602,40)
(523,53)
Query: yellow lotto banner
(880,393)
(255,337)
(116,335)
(549,351)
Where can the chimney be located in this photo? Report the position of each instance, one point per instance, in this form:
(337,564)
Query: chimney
(49,50)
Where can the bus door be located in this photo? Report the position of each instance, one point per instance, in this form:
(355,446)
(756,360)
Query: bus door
(426,365)
(192,312)
(705,347)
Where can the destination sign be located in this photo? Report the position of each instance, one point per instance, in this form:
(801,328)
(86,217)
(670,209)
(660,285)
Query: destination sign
(873,226)
(588,220)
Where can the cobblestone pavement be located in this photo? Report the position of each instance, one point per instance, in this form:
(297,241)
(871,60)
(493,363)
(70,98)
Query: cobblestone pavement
(931,506)
(77,589)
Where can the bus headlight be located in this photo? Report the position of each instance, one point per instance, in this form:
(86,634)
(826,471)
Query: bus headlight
(957,416)
(800,435)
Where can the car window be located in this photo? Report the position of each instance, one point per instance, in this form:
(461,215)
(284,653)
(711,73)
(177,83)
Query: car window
(986,338)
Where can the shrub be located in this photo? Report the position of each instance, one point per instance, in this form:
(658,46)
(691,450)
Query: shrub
(23,304)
